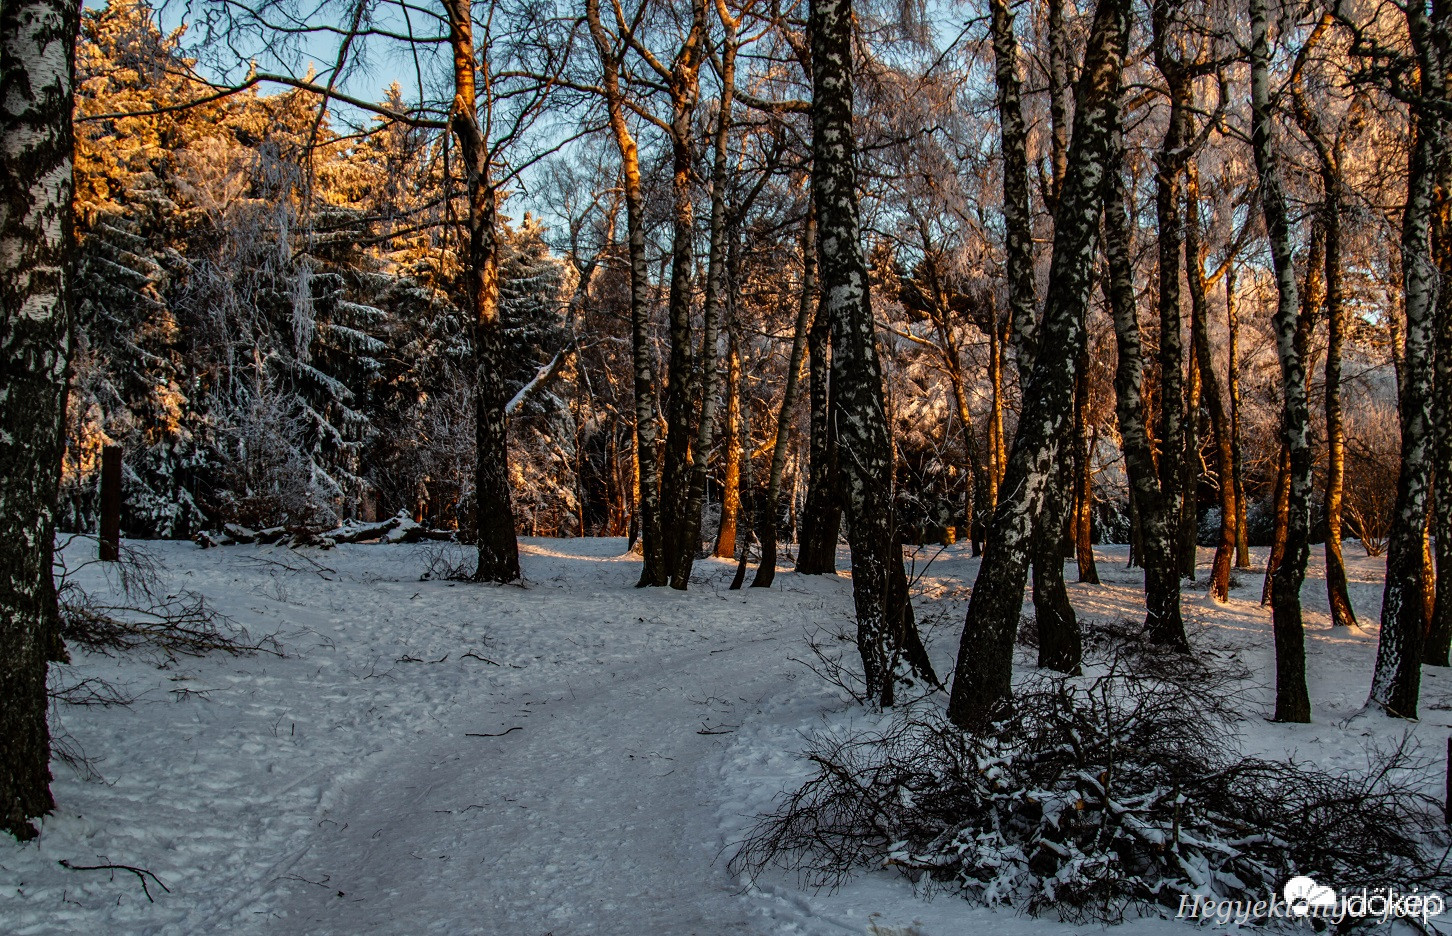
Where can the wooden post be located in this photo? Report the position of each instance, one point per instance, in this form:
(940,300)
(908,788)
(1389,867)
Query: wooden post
(111,503)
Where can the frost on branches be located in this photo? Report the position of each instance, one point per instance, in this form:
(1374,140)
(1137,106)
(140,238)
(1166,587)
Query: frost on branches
(1100,797)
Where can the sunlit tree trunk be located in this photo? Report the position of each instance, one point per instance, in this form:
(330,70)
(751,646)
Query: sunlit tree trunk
(37,56)
(983,674)
(731,457)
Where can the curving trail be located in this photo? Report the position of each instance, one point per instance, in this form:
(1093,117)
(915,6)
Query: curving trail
(588,819)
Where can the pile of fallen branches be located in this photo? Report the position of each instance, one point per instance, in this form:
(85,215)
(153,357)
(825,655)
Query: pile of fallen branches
(1110,793)
(136,612)
(400,528)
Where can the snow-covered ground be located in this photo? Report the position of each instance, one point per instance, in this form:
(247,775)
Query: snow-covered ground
(570,756)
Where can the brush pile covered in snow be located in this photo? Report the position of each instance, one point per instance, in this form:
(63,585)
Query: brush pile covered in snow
(1100,795)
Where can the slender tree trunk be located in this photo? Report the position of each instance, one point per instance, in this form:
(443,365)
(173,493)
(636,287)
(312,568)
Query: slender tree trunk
(1215,400)
(1281,494)
(1337,595)
(856,373)
(1051,599)
(806,307)
(1013,137)
(1160,515)
(1060,646)
(997,455)
(1084,502)
(498,549)
(1152,518)
(646,520)
(977,471)
(983,675)
(714,301)
(1327,154)
(822,515)
(684,88)
(1237,472)
(1061,97)
(731,482)
(1186,539)
(1439,635)
(1429,576)
(751,504)
(1396,682)
(37,56)
(1293,703)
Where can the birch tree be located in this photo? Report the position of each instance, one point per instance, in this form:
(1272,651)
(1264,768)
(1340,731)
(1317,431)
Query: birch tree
(1396,682)
(37,62)
(1292,700)
(983,674)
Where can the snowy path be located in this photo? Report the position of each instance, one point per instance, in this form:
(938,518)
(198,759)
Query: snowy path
(339,789)
(587,819)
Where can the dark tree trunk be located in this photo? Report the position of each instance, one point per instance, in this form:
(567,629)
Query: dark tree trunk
(1185,539)
(110,538)
(975,468)
(806,308)
(1237,473)
(498,550)
(646,521)
(1154,522)
(856,373)
(37,56)
(750,503)
(1084,445)
(1058,629)
(911,655)
(1281,494)
(690,521)
(1327,153)
(1214,399)
(983,675)
(1013,142)
(1160,515)
(1439,637)
(1293,703)
(822,515)
(684,87)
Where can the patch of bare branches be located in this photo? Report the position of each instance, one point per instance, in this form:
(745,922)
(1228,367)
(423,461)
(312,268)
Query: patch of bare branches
(449,562)
(139,614)
(1098,796)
